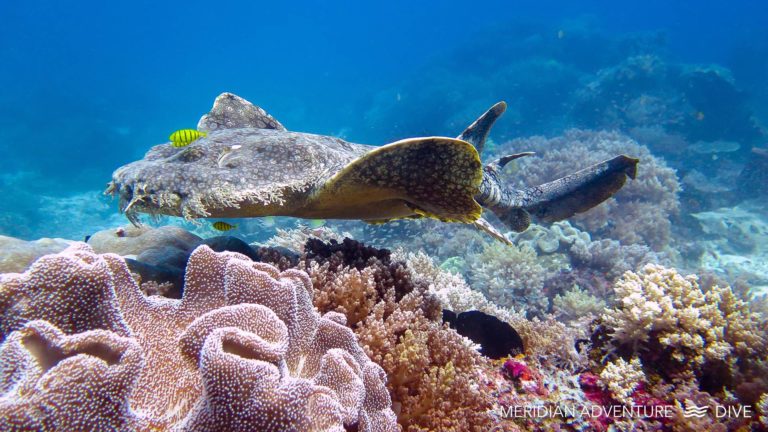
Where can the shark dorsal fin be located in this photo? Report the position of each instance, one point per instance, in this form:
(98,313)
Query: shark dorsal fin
(477,132)
(231,111)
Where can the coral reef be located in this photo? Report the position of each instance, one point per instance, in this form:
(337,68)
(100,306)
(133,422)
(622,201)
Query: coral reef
(510,276)
(181,363)
(576,304)
(435,375)
(638,214)
(670,322)
(53,381)
(496,338)
(295,239)
(546,340)
(736,243)
(622,378)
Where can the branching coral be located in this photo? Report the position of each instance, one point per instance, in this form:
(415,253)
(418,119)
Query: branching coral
(638,214)
(668,319)
(763,409)
(435,375)
(244,349)
(659,303)
(510,276)
(295,239)
(622,378)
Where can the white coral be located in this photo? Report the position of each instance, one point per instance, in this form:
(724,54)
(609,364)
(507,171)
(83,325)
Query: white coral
(621,378)
(696,326)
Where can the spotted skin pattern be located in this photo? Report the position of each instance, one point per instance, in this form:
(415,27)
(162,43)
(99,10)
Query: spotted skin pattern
(249,165)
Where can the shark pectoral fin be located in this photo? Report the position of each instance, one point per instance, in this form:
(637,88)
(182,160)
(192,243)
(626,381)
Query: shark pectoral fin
(484,225)
(580,191)
(436,177)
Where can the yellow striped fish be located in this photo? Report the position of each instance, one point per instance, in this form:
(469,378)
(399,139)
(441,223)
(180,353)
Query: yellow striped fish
(184,137)
(223,226)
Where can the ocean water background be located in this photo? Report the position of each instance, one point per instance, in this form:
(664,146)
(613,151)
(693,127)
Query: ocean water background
(88,86)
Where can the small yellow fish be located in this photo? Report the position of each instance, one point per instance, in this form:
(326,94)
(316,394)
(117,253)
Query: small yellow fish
(223,226)
(184,137)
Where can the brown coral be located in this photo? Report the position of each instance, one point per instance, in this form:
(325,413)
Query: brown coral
(435,376)
(238,322)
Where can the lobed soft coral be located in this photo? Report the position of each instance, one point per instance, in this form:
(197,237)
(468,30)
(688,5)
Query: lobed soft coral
(575,304)
(16,254)
(52,381)
(244,349)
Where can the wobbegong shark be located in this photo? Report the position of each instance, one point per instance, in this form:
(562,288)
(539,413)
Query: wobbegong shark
(247,164)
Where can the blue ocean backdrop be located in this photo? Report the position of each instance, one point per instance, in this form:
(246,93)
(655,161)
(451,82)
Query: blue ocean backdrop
(655,299)
(89,86)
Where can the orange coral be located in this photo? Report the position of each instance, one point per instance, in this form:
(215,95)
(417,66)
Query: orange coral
(436,377)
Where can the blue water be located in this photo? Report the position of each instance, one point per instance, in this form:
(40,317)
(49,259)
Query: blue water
(88,86)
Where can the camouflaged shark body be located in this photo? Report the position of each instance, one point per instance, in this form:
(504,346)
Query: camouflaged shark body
(249,165)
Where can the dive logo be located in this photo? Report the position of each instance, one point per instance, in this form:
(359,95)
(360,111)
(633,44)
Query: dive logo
(691,410)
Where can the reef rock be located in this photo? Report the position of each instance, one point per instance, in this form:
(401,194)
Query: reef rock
(132,240)
(16,254)
(737,242)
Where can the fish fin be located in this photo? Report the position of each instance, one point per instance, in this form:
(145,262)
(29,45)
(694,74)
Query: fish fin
(231,111)
(499,164)
(580,191)
(435,176)
(485,226)
(477,132)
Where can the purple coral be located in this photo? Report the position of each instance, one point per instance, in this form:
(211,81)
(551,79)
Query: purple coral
(259,356)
